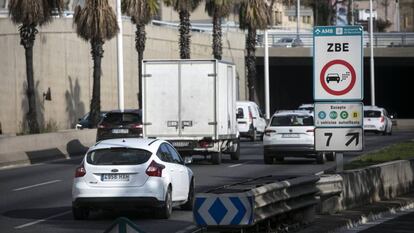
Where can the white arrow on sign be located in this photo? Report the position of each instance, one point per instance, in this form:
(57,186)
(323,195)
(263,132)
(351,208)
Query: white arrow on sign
(339,139)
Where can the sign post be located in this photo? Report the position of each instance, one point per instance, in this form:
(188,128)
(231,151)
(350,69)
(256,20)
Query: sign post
(338,89)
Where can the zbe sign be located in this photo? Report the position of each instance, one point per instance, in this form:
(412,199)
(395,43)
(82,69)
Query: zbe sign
(338,63)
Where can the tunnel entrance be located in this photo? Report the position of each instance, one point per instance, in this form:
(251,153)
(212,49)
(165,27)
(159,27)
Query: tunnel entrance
(291,83)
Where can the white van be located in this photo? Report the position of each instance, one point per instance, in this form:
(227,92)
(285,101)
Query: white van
(250,120)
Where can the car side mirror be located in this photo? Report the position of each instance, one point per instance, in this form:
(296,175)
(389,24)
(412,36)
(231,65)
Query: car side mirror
(188,160)
(79,119)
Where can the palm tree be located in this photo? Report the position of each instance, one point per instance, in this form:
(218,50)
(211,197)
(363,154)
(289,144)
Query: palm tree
(253,15)
(141,13)
(184,7)
(30,14)
(96,22)
(218,9)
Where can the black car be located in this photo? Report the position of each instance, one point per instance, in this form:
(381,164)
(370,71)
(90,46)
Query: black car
(117,124)
(83,122)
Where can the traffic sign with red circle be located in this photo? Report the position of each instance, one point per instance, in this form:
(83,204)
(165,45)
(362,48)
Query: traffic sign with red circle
(338,71)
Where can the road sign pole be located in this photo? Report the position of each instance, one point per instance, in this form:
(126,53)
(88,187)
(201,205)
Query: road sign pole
(339,158)
(371,45)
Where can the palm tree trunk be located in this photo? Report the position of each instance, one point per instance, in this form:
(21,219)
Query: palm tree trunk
(217,35)
(251,63)
(28,36)
(140,38)
(185,26)
(95,107)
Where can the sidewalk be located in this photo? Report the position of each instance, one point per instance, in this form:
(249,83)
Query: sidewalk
(354,217)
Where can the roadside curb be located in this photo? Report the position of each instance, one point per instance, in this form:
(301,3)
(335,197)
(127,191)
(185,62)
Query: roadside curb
(351,218)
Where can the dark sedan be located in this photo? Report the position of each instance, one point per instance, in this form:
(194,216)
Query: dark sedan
(117,124)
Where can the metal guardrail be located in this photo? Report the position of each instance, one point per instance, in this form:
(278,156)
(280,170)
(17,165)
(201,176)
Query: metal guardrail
(330,193)
(381,40)
(245,204)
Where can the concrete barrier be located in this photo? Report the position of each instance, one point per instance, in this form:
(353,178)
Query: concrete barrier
(358,187)
(31,149)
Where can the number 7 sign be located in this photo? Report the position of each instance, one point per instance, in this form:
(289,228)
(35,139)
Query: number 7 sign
(339,139)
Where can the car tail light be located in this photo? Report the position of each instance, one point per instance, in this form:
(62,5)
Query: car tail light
(250,116)
(155,169)
(205,144)
(102,126)
(382,119)
(269,131)
(136,126)
(80,171)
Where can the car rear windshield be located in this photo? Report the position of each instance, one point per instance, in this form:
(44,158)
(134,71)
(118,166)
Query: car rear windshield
(118,156)
(292,120)
(122,118)
(372,113)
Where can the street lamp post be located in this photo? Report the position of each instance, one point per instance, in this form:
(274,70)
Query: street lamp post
(120,59)
(371,44)
(297,19)
(266,71)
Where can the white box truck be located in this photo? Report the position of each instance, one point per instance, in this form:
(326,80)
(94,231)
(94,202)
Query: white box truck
(192,104)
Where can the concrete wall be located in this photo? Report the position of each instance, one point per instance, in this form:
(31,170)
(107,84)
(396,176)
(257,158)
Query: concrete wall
(32,149)
(62,61)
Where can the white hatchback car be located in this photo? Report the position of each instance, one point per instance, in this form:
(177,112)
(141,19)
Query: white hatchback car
(290,133)
(132,173)
(377,120)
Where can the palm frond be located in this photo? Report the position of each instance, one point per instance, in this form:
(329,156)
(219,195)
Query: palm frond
(253,14)
(140,11)
(36,12)
(220,8)
(96,20)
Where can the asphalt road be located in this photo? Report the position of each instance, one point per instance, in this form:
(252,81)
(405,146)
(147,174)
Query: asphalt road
(38,198)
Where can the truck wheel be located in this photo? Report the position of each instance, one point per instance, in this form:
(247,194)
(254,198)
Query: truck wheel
(236,154)
(216,158)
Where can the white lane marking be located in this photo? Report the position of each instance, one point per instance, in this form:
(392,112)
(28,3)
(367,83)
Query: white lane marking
(41,220)
(239,164)
(192,228)
(36,185)
(319,173)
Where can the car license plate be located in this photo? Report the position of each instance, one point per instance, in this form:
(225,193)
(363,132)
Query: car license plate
(120,131)
(115,177)
(180,144)
(369,126)
(290,135)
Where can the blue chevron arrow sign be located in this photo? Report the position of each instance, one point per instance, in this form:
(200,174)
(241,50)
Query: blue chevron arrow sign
(223,210)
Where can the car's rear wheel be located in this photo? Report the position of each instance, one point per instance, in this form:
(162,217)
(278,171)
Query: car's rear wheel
(320,158)
(267,158)
(280,158)
(190,199)
(80,213)
(254,135)
(166,209)
(330,156)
